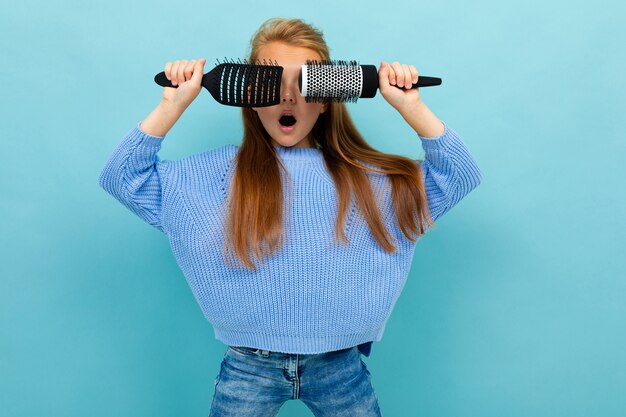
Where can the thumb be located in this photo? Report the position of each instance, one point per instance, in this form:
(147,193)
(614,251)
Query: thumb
(383,75)
(198,70)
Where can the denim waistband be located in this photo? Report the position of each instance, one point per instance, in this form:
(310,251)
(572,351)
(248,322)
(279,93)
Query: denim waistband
(267,353)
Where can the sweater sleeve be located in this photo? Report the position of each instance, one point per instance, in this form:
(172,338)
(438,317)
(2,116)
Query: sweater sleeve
(449,171)
(134,175)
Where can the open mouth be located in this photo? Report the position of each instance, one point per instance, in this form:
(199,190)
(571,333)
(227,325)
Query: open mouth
(287,120)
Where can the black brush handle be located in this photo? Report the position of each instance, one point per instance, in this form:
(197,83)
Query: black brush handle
(371,85)
(161,79)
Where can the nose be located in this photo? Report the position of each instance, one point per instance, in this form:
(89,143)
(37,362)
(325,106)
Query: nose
(289,89)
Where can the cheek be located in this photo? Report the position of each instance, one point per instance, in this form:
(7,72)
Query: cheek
(265,119)
(311,116)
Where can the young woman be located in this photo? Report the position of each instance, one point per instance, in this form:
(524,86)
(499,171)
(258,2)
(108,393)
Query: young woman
(297,243)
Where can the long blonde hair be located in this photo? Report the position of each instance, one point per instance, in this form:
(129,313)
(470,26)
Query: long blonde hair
(255,221)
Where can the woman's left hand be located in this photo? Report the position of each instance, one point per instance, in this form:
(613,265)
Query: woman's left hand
(400,75)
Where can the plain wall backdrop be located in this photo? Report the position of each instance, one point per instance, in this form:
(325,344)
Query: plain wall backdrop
(515,304)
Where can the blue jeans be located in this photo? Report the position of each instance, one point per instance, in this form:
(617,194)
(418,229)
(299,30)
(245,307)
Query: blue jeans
(256,382)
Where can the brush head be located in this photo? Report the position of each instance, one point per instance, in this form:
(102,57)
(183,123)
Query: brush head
(337,81)
(246,84)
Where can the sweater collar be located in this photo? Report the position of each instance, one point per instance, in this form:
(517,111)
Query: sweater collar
(300,154)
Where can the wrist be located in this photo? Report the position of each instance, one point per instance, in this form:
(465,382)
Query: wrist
(422,120)
(170,108)
(413,108)
(161,120)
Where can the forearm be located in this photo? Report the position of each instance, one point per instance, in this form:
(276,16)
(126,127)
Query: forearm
(161,120)
(423,121)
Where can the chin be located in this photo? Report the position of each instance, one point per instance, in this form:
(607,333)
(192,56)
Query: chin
(287,144)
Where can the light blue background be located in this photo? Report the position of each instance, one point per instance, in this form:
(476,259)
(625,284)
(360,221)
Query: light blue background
(515,305)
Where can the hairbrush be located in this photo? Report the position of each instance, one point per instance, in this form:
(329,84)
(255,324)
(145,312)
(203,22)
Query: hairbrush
(342,81)
(240,84)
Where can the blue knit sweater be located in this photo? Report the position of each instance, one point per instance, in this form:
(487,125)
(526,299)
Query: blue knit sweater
(312,296)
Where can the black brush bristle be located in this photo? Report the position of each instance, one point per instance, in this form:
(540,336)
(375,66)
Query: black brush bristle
(331,62)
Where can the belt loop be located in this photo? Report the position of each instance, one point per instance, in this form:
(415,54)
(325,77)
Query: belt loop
(264,353)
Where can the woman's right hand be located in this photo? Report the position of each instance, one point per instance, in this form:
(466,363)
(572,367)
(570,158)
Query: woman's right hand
(186,76)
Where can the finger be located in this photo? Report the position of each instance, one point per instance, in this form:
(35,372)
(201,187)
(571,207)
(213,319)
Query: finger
(174,72)
(383,74)
(181,71)
(414,74)
(198,71)
(396,70)
(381,67)
(189,69)
(167,70)
(407,76)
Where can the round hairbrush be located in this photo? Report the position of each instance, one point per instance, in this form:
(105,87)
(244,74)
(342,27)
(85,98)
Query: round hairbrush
(240,84)
(343,81)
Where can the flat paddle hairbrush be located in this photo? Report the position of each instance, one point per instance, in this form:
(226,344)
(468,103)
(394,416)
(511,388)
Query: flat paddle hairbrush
(342,81)
(240,84)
